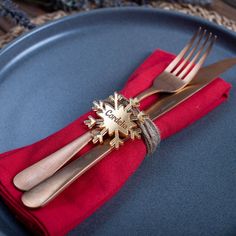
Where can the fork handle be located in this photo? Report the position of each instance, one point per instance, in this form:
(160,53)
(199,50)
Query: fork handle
(51,187)
(41,170)
(147,92)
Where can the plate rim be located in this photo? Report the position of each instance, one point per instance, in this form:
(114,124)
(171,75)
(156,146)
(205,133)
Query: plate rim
(109,10)
(139,10)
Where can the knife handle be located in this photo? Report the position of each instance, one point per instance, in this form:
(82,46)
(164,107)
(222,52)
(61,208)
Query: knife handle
(43,169)
(51,187)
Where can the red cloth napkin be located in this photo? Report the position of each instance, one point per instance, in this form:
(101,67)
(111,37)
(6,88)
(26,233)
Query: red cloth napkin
(100,183)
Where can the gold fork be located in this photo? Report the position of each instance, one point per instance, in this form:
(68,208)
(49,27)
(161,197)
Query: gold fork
(174,78)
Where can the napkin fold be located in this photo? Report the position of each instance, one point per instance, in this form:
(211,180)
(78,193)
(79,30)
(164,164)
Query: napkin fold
(100,183)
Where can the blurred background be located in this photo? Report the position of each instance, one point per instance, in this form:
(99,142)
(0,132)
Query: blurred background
(17,16)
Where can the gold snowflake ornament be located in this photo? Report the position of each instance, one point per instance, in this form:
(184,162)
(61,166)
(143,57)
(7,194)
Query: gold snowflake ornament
(118,117)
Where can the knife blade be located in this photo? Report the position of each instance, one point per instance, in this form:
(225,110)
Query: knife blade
(205,76)
(51,187)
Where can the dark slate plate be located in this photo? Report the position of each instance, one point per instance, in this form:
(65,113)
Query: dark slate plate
(51,75)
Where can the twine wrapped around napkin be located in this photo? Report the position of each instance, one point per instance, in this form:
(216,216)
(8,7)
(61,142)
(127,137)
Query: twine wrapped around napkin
(100,183)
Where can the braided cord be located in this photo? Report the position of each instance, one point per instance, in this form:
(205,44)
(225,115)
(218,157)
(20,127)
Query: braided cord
(10,10)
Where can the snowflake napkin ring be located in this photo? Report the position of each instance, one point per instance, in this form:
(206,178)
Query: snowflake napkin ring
(119,117)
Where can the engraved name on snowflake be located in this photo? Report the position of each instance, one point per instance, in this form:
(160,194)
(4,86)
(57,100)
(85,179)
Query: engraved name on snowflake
(118,117)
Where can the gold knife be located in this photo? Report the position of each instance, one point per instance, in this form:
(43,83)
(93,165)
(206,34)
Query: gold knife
(51,187)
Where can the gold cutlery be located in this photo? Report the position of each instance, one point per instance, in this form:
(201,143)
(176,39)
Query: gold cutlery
(51,187)
(175,77)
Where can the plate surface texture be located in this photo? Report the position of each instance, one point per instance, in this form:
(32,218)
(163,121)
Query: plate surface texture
(51,75)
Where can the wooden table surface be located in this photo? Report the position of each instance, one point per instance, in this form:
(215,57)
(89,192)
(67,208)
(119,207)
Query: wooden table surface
(33,11)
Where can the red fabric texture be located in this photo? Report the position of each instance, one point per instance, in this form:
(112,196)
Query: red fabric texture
(100,183)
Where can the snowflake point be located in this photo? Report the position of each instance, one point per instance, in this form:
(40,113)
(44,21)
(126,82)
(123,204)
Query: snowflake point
(90,122)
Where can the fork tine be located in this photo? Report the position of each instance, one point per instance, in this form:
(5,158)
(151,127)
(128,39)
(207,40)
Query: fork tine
(191,63)
(173,64)
(184,62)
(199,64)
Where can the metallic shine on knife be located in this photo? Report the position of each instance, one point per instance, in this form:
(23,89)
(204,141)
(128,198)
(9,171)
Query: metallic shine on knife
(51,187)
